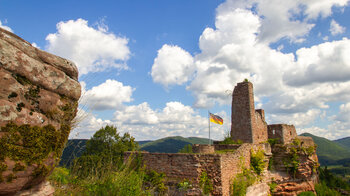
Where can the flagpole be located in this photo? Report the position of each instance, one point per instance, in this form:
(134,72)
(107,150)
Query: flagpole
(209,125)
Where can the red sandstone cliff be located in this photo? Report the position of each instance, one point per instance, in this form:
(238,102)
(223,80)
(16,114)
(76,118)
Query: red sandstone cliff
(38,101)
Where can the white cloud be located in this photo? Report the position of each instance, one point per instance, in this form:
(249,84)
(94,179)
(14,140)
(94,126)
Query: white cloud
(5,27)
(291,19)
(327,62)
(335,28)
(173,120)
(109,95)
(87,125)
(292,88)
(91,49)
(173,65)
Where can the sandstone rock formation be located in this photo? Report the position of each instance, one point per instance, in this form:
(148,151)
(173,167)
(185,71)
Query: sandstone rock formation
(39,95)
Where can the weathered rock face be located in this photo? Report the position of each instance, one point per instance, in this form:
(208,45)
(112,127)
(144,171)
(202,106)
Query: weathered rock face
(295,167)
(39,95)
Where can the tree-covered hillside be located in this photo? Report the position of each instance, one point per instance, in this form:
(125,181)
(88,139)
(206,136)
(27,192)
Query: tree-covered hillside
(172,144)
(345,142)
(329,152)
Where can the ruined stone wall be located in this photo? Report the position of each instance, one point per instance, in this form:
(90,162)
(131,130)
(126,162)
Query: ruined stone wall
(242,112)
(226,146)
(285,133)
(200,148)
(232,164)
(259,127)
(180,166)
(220,168)
(247,124)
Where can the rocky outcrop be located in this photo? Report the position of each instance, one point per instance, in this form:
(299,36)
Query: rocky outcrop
(294,167)
(39,94)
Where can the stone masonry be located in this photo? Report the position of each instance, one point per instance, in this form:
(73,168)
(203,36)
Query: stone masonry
(248,124)
(220,168)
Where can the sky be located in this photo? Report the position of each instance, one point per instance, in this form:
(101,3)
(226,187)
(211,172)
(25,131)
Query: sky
(155,68)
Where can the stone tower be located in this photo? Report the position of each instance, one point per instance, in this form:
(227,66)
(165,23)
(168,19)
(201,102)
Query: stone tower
(247,124)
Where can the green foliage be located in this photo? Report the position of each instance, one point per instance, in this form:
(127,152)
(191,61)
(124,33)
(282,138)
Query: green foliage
(272,142)
(271,163)
(332,181)
(229,140)
(307,193)
(107,141)
(328,151)
(120,183)
(245,80)
(155,181)
(272,186)
(60,176)
(225,151)
(296,142)
(323,190)
(185,184)
(205,183)
(257,163)
(18,167)
(104,153)
(186,149)
(241,182)
(344,142)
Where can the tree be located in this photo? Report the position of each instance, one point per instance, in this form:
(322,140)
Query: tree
(108,142)
(104,153)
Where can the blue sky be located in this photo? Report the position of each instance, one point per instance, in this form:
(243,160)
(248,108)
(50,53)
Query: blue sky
(154,68)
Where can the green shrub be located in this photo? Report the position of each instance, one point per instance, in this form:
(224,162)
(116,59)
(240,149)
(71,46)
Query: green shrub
(257,163)
(205,183)
(60,176)
(323,190)
(155,181)
(184,184)
(116,184)
(272,142)
(272,186)
(241,182)
(186,149)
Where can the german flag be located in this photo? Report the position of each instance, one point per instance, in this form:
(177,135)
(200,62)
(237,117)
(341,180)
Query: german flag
(216,119)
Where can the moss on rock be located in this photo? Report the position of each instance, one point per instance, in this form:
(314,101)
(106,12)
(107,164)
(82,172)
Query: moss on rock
(31,145)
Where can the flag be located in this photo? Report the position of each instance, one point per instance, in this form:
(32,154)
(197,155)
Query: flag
(216,119)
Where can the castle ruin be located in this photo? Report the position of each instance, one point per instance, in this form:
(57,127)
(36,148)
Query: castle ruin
(249,126)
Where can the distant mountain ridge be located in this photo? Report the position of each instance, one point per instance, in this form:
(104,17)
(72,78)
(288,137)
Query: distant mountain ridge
(172,144)
(330,152)
(345,142)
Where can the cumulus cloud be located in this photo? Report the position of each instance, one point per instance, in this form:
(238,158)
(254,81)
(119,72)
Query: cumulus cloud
(109,95)
(87,125)
(327,62)
(335,28)
(173,120)
(92,49)
(293,88)
(173,65)
(5,27)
